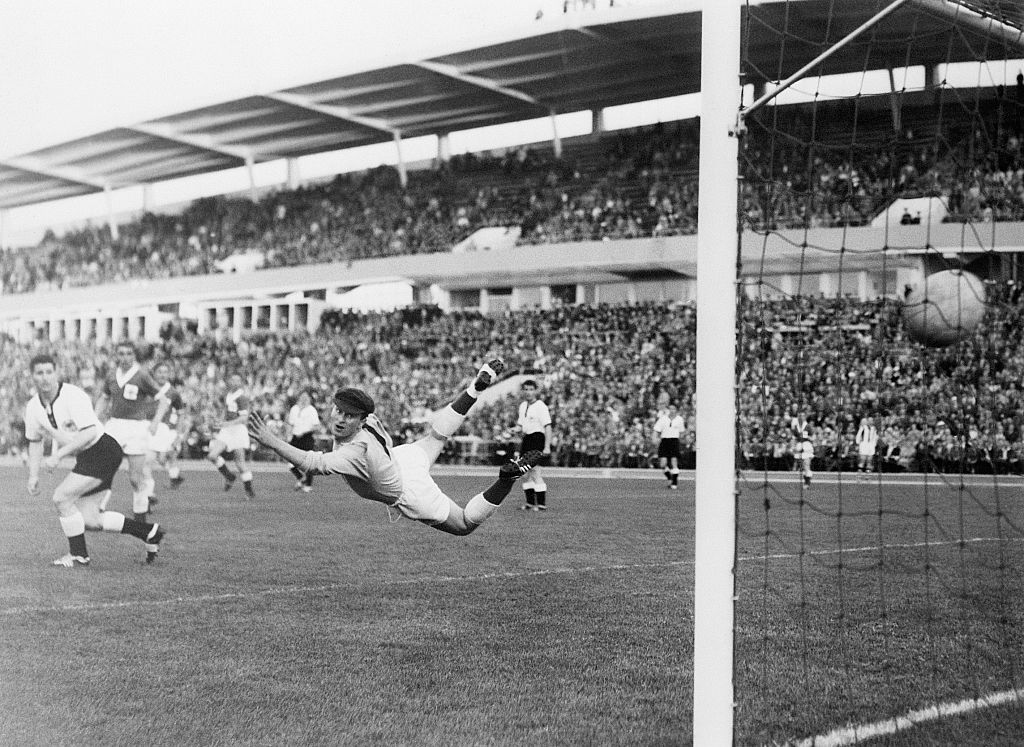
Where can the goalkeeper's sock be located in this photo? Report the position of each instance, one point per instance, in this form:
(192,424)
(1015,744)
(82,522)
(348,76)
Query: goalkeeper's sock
(137,528)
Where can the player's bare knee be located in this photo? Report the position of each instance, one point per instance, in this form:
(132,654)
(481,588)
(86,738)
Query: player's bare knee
(91,515)
(460,528)
(64,502)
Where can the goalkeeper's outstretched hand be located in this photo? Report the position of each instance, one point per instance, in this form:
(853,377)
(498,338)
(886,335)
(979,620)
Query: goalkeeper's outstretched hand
(258,428)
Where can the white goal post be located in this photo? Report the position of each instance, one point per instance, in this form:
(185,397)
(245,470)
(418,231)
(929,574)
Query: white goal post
(717,236)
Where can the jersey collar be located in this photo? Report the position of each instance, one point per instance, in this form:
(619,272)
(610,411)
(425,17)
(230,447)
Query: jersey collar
(124,377)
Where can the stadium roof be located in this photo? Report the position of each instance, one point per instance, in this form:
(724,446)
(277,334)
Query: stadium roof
(618,59)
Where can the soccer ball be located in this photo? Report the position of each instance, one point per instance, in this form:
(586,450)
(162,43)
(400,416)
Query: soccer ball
(944,308)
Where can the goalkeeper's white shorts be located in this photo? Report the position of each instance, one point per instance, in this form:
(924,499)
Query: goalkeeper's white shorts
(421,499)
(234,437)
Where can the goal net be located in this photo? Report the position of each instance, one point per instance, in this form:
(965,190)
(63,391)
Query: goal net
(880,518)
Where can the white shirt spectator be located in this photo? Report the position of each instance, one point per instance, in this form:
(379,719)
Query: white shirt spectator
(669,427)
(867,439)
(533,417)
(303,420)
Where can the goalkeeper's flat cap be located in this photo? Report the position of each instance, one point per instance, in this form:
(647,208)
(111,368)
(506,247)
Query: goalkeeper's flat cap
(351,399)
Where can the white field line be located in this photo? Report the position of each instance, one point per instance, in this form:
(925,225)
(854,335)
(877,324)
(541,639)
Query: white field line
(284,590)
(295,589)
(894,546)
(856,733)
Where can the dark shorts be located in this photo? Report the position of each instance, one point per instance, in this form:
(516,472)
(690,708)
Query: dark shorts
(668,448)
(306,441)
(101,460)
(532,442)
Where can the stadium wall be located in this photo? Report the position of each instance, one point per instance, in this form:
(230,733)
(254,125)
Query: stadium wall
(875,261)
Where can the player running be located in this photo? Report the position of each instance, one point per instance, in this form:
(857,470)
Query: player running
(64,413)
(399,476)
(233,437)
(164,443)
(130,398)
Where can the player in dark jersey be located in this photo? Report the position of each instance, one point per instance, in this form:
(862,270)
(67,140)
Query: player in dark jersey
(130,399)
(233,437)
(165,442)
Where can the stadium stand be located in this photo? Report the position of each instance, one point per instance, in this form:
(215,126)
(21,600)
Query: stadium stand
(607,369)
(623,185)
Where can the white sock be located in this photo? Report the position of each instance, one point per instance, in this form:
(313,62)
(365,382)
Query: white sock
(478,510)
(140,501)
(174,471)
(104,500)
(112,521)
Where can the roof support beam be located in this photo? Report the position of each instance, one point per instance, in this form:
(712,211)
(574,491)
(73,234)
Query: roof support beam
(484,83)
(203,142)
(32,166)
(799,74)
(334,112)
(1012,37)
(403,176)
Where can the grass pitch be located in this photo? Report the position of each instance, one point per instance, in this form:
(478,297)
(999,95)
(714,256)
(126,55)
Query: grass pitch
(311,619)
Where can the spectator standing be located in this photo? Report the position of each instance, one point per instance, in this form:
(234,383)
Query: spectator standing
(668,427)
(535,422)
(867,444)
(303,423)
(805,452)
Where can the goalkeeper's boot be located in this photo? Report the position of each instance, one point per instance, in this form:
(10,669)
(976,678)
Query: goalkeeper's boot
(516,468)
(70,561)
(153,543)
(488,374)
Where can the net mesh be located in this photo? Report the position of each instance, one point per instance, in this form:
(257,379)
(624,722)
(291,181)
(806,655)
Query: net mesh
(879,519)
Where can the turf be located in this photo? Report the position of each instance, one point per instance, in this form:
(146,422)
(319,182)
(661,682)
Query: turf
(311,619)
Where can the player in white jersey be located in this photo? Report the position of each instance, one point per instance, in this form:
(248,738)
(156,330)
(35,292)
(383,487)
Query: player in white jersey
(535,423)
(64,413)
(233,437)
(668,427)
(867,444)
(399,476)
(303,424)
(805,452)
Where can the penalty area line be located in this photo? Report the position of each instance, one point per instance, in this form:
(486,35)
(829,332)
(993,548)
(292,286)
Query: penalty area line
(853,734)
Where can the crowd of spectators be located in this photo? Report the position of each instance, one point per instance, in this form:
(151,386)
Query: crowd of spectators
(628,184)
(814,366)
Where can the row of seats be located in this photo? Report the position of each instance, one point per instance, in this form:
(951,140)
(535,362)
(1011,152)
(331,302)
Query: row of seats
(801,169)
(608,370)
